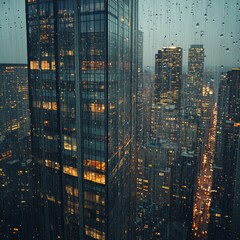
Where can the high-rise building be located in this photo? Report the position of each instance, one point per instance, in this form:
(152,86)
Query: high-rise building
(195,79)
(14,109)
(140,93)
(167,100)
(184,182)
(15,166)
(159,156)
(154,190)
(225,206)
(168,71)
(82,78)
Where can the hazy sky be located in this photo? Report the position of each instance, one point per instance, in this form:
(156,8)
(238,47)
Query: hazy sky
(214,23)
(12,31)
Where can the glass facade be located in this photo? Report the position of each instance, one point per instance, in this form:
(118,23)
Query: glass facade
(83,72)
(225,207)
(14,100)
(168,70)
(15,165)
(195,79)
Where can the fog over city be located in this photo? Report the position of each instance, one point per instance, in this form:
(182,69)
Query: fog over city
(119,119)
(213,23)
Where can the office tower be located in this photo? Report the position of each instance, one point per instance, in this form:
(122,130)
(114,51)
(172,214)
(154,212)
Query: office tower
(225,206)
(147,99)
(141,105)
(167,100)
(159,155)
(192,101)
(182,195)
(82,77)
(222,106)
(15,175)
(14,100)
(188,132)
(16,199)
(207,106)
(168,71)
(195,79)
(154,189)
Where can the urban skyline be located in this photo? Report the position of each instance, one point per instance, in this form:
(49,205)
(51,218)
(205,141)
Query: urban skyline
(163,23)
(96,143)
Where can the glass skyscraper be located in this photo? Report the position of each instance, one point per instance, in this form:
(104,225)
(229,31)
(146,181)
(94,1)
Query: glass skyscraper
(168,71)
(82,58)
(225,204)
(195,79)
(15,165)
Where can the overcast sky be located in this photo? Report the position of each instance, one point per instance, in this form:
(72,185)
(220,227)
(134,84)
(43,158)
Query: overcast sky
(12,31)
(214,23)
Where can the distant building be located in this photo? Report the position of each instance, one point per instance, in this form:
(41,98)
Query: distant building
(166,183)
(182,201)
(195,79)
(168,71)
(15,166)
(154,189)
(225,206)
(141,105)
(16,199)
(14,101)
(167,100)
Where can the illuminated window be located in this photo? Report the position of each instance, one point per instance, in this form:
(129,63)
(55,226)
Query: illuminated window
(70,171)
(94,177)
(71,191)
(52,164)
(34,65)
(93,65)
(70,143)
(53,65)
(46,123)
(97,108)
(5,155)
(70,53)
(45,65)
(94,233)
(49,105)
(94,164)
(52,199)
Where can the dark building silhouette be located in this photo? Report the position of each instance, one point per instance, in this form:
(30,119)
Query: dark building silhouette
(82,59)
(14,100)
(195,79)
(225,206)
(15,166)
(141,105)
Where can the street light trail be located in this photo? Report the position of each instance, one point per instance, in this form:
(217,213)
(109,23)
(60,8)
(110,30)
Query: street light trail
(202,199)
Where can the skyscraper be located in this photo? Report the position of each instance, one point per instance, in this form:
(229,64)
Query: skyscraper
(225,206)
(15,166)
(14,100)
(141,129)
(195,79)
(82,78)
(167,99)
(158,157)
(168,70)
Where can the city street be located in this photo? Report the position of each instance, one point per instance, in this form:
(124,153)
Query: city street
(203,195)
